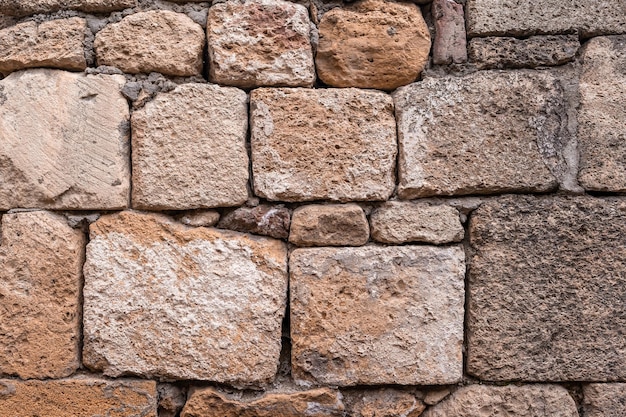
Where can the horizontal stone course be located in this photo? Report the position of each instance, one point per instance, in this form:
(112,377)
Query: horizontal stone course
(27,7)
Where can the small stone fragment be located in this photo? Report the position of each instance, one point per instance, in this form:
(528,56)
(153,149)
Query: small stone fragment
(153,41)
(200,218)
(261,220)
(172,399)
(329,225)
(384,402)
(434,397)
(604,400)
(450,45)
(28,7)
(372,44)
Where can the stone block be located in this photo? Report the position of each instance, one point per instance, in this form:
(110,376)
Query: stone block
(329,225)
(24,8)
(604,400)
(264,220)
(450,46)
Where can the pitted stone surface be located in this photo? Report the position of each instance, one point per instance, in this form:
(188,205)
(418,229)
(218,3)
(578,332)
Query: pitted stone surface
(382,402)
(329,225)
(604,400)
(27,7)
(377,315)
(264,220)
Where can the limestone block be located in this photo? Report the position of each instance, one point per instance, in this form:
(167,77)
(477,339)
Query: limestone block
(329,225)
(23,8)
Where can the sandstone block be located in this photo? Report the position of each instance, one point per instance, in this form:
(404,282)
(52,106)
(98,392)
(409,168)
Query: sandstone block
(56,43)
(329,225)
(164,300)
(372,44)
(450,46)
(488,132)
(78,397)
(189,149)
(262,220)
(375,315)
(200,218)
(602,115)
(24,8)
(384,402)
(64,141)
(40,280)
(339,145)
(260,43)
(604,400)
(546,290)
(153,41)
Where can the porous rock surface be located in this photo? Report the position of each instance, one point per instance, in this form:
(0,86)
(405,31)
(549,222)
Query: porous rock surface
(264,219)
(383,402)
(27,7)
(197,218)
(604,400)
(329,225)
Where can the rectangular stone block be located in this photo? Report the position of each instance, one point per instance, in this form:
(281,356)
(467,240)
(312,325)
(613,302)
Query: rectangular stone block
(377,315)
(604,400)
(546,289)
(329,225)
(27,7)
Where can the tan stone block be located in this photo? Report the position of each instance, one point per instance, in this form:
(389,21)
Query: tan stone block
(200,218)
(384,402)
(153,41)
(329,225)
(372,44)
(168,301)
(339,145)
(27,7)
(40,279)
(377,315)
(189,149)
(604,400)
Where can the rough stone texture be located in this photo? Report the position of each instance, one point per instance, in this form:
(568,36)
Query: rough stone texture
(27,7)
(153,41)
(531,17)
(64,141)
(189,149)
(78,397)
(40,279)
(385,402)
(321,402)
(164,300)
(488,132)
(450,45)
(199,218)
(372,44)
(260,43)
(340,145)
(604,400)
(510,400)
(56,43)
(602,115)
(329,225)
(172,399)
(546,290)
(262,220)
(505,52)
(375,315)
(401,222)
(434,397)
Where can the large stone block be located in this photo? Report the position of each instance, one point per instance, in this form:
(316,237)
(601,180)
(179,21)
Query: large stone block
(326,144)
(374,315)
(189,149)
(604,400)
(64,141)
(546,290)
(23,8)
(167,301)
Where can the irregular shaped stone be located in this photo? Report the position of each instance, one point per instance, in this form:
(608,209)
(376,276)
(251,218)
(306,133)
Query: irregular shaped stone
(546,289)
(172,399)
(377,315)
(329,225)
(260,43)
(78,397)
(533,17)
(384,402)
(153,41)
(450,46)
(340,145)
(488,132)
(262,220)
(321,402)
(40,279)
(372,44)
(602,115)
(24,8)
(198,218)
(535,51)
(64,141)
(518,401)
(398,222)
(434,397)
(56,43)
(604,400)
(166,301)
(189,149)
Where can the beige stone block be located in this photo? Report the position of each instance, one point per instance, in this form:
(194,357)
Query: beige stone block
(329,225)
(382,402)
(604,400)
(27,7)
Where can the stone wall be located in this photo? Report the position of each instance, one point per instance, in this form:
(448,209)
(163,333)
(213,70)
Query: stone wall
(313,208)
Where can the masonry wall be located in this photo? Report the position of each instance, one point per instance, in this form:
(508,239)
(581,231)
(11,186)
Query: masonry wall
(272,208)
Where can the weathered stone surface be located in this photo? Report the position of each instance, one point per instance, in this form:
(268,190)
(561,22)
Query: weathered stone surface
(546,290)
(374,315)
(604,400)
(23,8)
(488,132)
(321,402)
(78,397)
(262,220)
(260,43)
(164,300)
(64,141)
(384,402)
(535,51)
(198,218)
(329,225)
(450,45)
(40,279)
(372,44)
(340,145)
(189,149)
(172,399)
(56,43)
(434,397)
(153,41)
(602,115)
(401,222)
(510,400)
